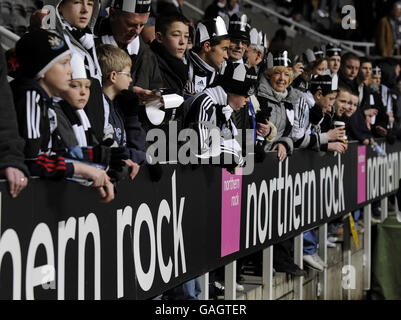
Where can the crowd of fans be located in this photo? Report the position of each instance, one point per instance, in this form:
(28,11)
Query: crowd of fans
(76,100)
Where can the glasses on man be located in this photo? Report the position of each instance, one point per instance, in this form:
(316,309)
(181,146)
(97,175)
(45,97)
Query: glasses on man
(238,41)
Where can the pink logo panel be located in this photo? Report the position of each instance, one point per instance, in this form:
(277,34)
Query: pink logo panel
(231,187)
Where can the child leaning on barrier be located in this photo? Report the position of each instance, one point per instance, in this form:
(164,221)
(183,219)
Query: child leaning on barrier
(45,72)
(75,122)
(312,122)
(128,133)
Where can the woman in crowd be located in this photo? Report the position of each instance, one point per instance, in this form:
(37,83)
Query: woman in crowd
(277,100)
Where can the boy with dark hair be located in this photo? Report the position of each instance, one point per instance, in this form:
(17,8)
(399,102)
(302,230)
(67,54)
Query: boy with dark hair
(209,52)
(172,34)
(216,105)
(45,72)
(75,21)
(349,70)
(307,130)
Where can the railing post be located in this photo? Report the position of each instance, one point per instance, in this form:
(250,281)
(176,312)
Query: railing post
(367,243)
(204,280)
(298,259)
(267,274)
(347,253)
(323,255)
(384,209)
(230,281)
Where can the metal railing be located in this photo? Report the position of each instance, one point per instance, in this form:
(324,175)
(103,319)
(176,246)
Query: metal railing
(346,45)
(9,39)
(310,31)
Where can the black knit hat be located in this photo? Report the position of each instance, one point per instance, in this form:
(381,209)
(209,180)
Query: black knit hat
(38,51)
(239,28)
(132,6)
(237,78)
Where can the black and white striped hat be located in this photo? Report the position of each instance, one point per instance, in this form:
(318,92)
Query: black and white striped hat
(132,6)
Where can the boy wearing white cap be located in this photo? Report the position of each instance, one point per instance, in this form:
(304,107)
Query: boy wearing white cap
(209,52)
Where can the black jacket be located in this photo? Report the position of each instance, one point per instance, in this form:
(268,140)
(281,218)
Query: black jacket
(11,144)
(38,126)
(173,71)
(127,127)
(358,128)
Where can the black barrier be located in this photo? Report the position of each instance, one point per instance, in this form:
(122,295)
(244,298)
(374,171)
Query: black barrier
(59,242)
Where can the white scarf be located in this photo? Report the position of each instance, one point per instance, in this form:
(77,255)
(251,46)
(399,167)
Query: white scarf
(132,48)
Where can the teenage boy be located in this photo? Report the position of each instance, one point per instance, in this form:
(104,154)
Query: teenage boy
(45,72)
(307,130)
(122,28)
(216,105)
(209,52)
(309,122)
(352,105)
(172,34)
(334,54)
(341,105)
(116,66)
(75,21)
